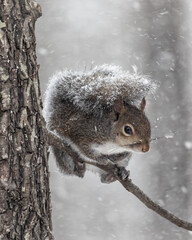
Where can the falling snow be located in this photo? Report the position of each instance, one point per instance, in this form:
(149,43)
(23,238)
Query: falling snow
(96,88)
(156,37)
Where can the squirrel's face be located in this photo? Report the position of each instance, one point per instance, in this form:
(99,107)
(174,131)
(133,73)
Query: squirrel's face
(131,127)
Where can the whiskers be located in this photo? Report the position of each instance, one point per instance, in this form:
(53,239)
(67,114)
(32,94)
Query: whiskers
(133,144)
(168,136)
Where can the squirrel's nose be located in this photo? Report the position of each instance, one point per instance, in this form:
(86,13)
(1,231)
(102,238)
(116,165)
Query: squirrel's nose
(145,147)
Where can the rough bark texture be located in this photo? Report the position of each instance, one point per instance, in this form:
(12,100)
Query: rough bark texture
(25,211)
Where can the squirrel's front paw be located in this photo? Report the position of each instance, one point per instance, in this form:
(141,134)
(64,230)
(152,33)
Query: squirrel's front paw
(122,173)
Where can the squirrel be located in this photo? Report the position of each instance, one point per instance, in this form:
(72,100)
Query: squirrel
(100,113)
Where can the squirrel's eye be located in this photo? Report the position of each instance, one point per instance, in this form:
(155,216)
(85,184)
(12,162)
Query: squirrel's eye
(128,130)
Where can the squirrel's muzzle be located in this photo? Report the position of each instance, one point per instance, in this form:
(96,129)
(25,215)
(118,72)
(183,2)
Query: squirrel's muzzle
(145,147)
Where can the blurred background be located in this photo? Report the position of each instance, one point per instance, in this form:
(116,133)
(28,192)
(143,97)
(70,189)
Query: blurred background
(155,36)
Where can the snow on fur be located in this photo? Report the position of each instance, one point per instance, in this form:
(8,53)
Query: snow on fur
(96,88)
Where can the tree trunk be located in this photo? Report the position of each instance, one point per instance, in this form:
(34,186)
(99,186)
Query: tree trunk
(25,210)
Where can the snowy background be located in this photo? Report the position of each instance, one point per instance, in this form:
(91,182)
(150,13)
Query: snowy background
(156,36)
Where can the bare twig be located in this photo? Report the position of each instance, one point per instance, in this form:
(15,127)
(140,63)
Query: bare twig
(127,183)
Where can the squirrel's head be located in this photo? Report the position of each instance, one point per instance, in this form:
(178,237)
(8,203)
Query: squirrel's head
(131,128)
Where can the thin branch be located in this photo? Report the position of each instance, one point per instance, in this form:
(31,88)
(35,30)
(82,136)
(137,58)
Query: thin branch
(127,182)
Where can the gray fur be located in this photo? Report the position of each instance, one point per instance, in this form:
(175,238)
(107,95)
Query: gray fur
(82,107)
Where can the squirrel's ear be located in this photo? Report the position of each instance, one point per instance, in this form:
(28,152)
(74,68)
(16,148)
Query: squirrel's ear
(117,109)
(142,104)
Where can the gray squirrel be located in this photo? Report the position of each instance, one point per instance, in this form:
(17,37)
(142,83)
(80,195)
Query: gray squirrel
(100,113)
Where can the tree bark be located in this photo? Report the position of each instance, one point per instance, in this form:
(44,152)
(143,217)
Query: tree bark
(25,210)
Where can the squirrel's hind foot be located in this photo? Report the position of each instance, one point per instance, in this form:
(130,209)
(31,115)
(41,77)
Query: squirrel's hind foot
(108,178)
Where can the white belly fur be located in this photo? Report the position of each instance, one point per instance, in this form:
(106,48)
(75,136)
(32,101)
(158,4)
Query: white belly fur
(108,148)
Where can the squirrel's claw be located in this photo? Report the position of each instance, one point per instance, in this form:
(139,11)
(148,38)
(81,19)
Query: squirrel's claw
(122,173)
